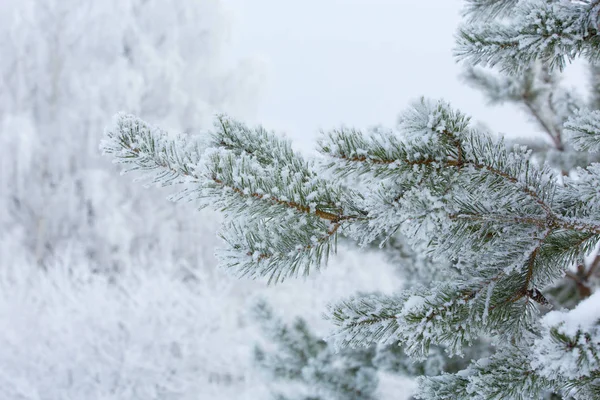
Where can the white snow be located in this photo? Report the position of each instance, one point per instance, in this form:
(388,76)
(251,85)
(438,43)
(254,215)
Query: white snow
(583,317)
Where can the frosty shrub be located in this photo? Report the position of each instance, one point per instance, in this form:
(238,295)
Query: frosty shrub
(64,74)
(498,229)
(74,334)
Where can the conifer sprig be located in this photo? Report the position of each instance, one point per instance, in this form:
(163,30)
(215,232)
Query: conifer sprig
(478,10)
(552,32)
(302,357)
(141,146)
(584,130)
(449,315)
(506,374)
(282,218)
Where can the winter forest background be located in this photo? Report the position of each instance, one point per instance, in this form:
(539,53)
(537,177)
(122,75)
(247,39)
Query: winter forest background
(107,290)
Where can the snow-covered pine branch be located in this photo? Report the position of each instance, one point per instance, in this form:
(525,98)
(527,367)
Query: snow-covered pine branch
(544,98)
(538,91)
(477,10)
(144,147)
(391,358)
(553,32)
(562,357)
(301,357)
(584,130)
(504,375)
(266,190)
(568,350)
(496,227)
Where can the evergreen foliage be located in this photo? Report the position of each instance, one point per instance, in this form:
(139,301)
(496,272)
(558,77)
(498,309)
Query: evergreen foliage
(303,358)
(503,236)
(553,32)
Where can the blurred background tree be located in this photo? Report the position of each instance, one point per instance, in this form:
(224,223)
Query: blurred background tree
(71,64)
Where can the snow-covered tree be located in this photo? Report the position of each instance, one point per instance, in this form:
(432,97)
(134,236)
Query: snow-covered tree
(492,229)
(67,65)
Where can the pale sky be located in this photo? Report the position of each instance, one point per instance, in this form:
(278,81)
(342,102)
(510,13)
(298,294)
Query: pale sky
(356,62)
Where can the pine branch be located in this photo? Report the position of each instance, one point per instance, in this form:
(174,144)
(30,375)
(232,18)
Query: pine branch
(251,184)
(439,140)
(584,130)
(429,132)
(568,349)
(391,358)
(506,374)
(178,160)
(535,89)
(551,32)
(301,357)
(267,147)
(143,147)
(449,315)
(486,10)
(272,249)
